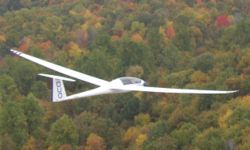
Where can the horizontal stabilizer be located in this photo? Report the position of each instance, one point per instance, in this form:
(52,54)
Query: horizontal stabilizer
(56,77)
(58,90)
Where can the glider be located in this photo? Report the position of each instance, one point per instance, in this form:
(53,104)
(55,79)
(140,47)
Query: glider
(119,85)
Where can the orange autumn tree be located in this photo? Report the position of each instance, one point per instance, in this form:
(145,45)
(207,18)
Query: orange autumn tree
(95,142)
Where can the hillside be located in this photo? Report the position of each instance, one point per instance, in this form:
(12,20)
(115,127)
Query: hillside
(201,44)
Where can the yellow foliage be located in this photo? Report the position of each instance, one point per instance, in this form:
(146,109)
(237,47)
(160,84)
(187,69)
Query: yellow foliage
(245,101)
(142,119)
(161,30)
(2,38)
(170,23)
(140,140)
(203,15)
(98,25)
(135,70)
(85,27)
(244,61)
(91,20)
(199,77)
(224,117)
(72,12)
(196,32)
(75,51)
(131,135)
(136,38)
(87,14)
(30,145)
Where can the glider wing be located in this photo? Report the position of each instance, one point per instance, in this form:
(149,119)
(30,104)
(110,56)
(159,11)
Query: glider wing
(63,70)
(170,90)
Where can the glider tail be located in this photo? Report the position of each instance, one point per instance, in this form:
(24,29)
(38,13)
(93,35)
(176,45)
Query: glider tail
(58,90)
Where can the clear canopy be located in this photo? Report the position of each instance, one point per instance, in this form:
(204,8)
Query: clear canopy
(130,80)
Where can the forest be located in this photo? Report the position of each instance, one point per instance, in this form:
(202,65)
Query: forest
(195,44)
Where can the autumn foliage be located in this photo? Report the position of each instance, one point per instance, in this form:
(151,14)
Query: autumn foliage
(191,44)
(222,21)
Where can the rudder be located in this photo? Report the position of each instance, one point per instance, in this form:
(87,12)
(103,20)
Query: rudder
(58,90)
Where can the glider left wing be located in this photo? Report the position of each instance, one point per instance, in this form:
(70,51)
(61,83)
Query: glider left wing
(63,70)
(170,90)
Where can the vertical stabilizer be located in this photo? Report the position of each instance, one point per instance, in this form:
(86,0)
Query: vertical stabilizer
(58,90)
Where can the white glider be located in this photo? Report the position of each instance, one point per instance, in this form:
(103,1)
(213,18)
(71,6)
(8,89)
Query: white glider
(119,85)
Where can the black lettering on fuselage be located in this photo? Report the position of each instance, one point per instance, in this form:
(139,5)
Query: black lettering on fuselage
(59,88)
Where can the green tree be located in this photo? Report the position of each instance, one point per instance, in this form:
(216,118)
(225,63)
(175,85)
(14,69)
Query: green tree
(183,39)
(63,131)
(24,74)
(164,142)
(8,88)
(88,123)
(13,123)
(204,62)
(242,32)
(209,139)
(180,135)
(34,113)
(159,128)
(6,142)
(40,90)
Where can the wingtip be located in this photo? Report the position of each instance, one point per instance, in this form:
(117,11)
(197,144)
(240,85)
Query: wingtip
(235,91)
(15,52)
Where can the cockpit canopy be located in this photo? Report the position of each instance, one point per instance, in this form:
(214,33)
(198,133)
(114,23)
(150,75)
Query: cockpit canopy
(130,80)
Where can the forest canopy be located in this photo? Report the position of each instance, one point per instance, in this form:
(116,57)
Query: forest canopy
(201,44)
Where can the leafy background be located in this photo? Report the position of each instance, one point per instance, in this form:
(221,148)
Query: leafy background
(202,44)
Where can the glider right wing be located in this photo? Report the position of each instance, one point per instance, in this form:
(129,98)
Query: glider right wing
(63,70)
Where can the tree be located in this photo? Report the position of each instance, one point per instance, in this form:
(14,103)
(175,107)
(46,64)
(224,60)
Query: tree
(13,123)
(8,88)
(126,108)
(6,142)
(142,119)
(180,135)
(130,135)
(40,90)
(204,62)
(65,147)
(24,74)
(63,131)
(209,139)
(26,3)
(164,142)
(34,113)
(222,21)
(183,39)
(30,144)
(136,71)
(159,128)
(169,57)
(95,142)
(199,77)
(88,123)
